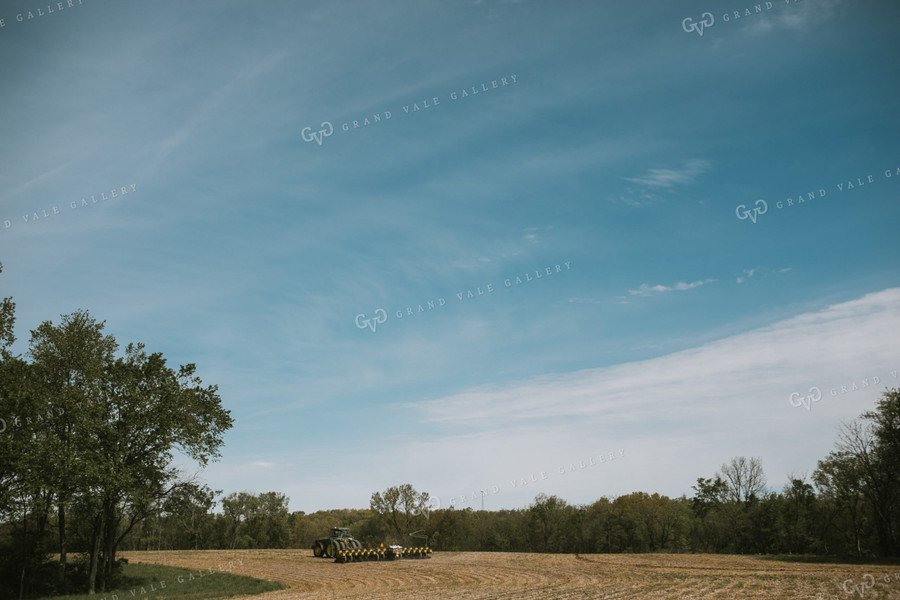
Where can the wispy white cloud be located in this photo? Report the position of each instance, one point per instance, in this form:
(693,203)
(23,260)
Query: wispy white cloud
(585,301)
(652,290)
(845,339)
(264,464)
(212,103)
(638,198)
(33,181)
(796,16)
(667,178)
(761,272)
(748,273)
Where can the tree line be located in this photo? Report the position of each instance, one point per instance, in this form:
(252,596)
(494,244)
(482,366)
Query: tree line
(87,436)
(847,509)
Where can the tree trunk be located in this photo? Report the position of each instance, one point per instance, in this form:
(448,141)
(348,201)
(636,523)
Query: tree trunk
(111,524)
(95,554)
(25,552)
(61,570)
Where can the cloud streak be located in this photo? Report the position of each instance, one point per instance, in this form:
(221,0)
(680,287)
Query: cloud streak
(653,290)
(669,178)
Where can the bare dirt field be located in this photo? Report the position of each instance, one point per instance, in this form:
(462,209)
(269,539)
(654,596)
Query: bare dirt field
(476,575)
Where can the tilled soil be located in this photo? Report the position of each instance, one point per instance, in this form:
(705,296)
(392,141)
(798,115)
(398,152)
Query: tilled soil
(483,575)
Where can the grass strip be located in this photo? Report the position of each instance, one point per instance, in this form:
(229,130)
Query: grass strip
(147,581)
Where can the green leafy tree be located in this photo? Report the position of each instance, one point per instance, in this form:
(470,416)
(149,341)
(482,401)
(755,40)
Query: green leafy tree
(882,470)
(401,508)
(547,518)
(7,322)
(189,506)
(799,509)
(24,501)
(67,372)
(119,421)
(599,527)
(237,508)
(146,412)
(707,504)
(860,477)
(269,521)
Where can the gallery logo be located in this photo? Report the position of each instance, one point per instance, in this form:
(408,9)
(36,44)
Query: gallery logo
(814,395)
(744,213)
(429,506)
(868,583)
(372,322)
(319,136)
(707,20)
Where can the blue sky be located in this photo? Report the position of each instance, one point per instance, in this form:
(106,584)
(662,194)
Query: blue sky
(622,148)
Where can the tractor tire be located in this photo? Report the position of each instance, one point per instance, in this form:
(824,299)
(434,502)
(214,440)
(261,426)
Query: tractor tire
(318,550)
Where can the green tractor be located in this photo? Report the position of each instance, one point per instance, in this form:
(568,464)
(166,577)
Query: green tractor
(341,546)
(339,539)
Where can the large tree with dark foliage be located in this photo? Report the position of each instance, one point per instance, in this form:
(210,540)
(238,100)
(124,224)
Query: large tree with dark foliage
(88,448)
(861,478)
